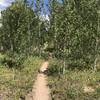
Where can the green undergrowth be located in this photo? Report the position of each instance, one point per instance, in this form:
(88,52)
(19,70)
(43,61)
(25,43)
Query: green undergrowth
(73,83)
(16,83)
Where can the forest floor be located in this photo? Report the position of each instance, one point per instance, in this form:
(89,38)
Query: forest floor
(40,89)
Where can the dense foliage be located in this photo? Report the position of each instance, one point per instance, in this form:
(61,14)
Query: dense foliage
(19,25)
(72,32)
(76,35)
(20,32)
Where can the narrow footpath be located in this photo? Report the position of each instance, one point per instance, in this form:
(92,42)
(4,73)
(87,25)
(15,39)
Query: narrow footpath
(40,89)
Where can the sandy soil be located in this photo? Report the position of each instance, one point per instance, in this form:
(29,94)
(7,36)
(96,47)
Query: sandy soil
(40,88)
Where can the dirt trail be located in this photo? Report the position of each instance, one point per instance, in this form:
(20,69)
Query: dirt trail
(40,89)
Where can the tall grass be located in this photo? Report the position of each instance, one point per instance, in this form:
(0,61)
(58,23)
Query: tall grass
(71,85)
(15,83)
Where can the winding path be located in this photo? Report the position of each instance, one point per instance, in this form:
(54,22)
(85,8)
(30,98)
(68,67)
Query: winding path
(40,89)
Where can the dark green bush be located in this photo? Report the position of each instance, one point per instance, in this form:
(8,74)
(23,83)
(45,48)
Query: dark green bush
(55,67)
(45,55)
(2,58)
(12,60)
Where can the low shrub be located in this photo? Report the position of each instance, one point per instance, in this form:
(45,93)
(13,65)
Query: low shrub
(55,67)
(12,60)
